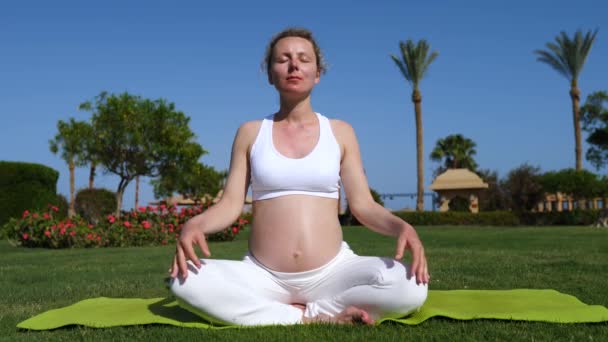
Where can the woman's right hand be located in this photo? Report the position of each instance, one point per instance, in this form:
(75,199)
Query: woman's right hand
(191,235)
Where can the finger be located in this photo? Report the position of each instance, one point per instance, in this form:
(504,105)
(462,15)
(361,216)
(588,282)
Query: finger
(421,275)
(202,243)
(190,254)
(416,263)
(174,268)
(181,261)
(401,243)
(424,271)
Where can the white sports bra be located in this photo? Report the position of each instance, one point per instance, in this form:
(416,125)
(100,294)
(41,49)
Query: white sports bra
(274,175)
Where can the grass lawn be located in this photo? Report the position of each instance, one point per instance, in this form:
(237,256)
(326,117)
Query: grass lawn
(573,260)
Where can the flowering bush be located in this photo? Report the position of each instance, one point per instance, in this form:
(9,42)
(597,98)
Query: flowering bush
(145,226)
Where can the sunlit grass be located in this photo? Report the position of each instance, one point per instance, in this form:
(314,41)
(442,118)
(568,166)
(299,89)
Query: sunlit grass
(572,260)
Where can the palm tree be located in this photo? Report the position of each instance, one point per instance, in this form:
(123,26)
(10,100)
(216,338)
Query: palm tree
(414,63)
(568,56)
(69,140)
(456,151)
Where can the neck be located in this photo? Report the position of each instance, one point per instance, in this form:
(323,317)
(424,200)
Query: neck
(296,111)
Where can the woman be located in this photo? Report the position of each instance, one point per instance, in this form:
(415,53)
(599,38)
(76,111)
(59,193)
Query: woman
(298,269)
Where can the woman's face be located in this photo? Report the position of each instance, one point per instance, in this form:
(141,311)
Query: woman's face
(293,68)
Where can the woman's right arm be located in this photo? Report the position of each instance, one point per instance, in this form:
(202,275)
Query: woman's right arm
(224,212)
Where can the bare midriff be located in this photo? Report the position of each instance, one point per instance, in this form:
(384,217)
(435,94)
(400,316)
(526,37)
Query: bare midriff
(295,233)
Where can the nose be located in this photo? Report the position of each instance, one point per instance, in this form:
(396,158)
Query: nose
(294,64)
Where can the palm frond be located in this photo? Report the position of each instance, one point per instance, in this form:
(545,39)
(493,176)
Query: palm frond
(401,67)
(567,56)
(415,60)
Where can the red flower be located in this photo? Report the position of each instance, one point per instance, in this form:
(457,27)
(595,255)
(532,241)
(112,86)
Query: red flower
(142,209)
(235,230)
(111,218)
(54,208)
(90,226)
(72,233)
(25,213)
(47,233)
(99,238)
(163,207)
(146,224)
(127,224)
(47,216)
(62,231)
(242,221)
(35,215)
(25,236)
(89,236)
(164,242)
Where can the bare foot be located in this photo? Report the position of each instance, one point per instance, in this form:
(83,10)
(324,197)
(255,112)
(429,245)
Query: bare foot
(350,315)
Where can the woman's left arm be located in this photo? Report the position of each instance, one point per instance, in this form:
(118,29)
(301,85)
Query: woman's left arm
(370,213)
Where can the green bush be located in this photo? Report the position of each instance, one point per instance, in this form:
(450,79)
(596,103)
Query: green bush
(94,204)
(560,218)
(459,204)
(25,186)
(434,218)
(62,205)
(146,226)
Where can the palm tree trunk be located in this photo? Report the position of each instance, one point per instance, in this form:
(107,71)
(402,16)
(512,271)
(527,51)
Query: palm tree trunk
(417,99)
(72,210)
(575,96)
(92,175)
(136,192)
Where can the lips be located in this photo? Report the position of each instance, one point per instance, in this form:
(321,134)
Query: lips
(290,78)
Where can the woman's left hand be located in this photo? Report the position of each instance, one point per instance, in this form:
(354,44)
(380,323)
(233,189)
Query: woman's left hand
(408,239)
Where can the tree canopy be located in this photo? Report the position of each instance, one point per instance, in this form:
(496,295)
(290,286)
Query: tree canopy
(523,186)
(594,116)
(415,60)
(580,184)
(455,151)
(140,137)
(194,182)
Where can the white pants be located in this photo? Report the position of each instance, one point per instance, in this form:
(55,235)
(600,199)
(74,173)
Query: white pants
(248,293)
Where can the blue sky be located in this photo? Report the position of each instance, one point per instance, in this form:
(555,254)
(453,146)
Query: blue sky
(205,57)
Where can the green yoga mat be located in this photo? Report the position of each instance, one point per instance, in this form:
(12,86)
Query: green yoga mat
(525,305)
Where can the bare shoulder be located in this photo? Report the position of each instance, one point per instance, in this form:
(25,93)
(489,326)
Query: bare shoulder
(247,132)
(250,128)
(343,131)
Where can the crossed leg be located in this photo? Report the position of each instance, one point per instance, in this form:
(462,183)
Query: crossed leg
(354,290)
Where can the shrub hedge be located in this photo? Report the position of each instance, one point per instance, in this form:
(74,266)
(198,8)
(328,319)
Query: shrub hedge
(433,218)
(25,186)
(146,226)
(560,218)
(498,218)
(94,204)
